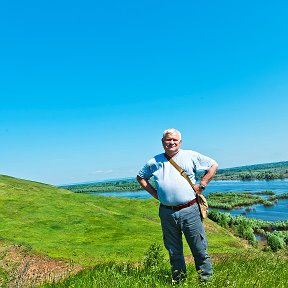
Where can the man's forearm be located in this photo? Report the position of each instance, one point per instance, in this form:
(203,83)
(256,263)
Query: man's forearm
(147,186)
(209,175)
(206,179)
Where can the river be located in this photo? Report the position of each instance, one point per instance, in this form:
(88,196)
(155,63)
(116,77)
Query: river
(273,213)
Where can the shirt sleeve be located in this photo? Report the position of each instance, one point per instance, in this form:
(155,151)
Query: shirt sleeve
(145,172)
(204,162)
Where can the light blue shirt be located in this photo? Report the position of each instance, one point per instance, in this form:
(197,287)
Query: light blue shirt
(172,188)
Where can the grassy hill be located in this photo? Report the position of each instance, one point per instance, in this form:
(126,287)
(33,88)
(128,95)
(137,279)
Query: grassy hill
(90,230)
(86,229)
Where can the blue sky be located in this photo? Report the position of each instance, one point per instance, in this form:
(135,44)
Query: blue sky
(88,87)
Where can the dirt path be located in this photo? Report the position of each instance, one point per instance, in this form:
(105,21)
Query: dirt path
(24,269)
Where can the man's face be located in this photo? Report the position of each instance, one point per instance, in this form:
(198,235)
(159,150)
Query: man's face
(171,143)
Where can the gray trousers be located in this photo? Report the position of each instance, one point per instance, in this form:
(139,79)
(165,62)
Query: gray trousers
(188,222)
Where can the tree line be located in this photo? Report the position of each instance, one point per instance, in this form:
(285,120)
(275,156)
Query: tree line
(268,171)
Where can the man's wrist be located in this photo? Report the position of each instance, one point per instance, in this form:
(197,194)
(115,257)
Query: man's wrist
(202,186)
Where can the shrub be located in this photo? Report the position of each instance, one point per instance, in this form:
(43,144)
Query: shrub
(246,232)
(275,242)
(154,257)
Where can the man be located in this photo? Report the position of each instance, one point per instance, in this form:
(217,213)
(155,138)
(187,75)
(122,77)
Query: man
(178,211)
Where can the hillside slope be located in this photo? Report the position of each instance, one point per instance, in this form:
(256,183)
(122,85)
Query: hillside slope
(86,229)
(42,226)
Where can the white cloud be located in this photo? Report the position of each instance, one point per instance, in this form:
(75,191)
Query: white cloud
(101,171)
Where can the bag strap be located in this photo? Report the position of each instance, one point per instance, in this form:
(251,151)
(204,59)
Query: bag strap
(199,198)
(180,170)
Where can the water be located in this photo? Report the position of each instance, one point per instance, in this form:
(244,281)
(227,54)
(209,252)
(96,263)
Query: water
(273,213)
(277,186)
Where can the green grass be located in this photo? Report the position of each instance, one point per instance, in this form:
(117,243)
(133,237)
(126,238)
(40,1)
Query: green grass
(87,229)
(110,236)
(248,270)
(4,278)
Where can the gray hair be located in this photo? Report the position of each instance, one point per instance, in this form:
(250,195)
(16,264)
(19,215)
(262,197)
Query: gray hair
(171,131)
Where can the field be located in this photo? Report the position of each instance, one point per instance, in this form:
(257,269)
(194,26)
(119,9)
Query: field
(49,233)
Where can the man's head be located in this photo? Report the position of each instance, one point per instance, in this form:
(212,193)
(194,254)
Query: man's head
(171,141)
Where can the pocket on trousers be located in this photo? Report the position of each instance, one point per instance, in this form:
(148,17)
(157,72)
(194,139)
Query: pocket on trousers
(204,240)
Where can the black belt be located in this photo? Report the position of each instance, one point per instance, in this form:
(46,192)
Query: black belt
(181,206)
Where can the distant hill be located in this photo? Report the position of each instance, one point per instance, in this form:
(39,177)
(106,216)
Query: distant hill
(267,171)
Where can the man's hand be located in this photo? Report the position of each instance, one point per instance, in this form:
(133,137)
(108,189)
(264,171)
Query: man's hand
(197,189)
(206,179)
(147,186)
